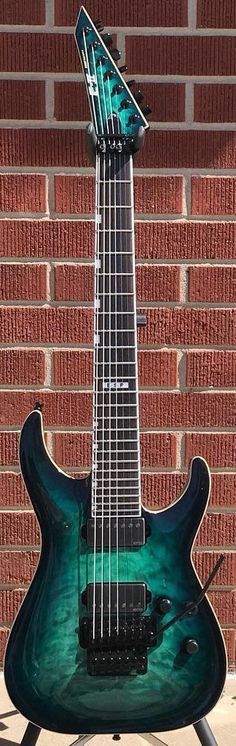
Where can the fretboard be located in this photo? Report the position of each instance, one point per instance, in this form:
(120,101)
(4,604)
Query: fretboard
(116,459)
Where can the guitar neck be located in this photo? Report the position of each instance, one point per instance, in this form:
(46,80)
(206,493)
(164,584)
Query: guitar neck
(116,458)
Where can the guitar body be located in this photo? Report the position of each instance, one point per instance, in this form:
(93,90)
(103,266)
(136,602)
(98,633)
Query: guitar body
(45,666)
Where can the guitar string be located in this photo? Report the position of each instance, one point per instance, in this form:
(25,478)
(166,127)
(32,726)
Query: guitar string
(96,332)
(104,336)
(110,350)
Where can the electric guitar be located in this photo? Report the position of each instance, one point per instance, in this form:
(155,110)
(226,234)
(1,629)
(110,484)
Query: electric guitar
(115,633)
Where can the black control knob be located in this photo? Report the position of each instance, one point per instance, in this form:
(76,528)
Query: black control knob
(190,646)
(163,605)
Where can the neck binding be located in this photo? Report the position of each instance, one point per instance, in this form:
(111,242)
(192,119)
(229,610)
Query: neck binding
(116,459)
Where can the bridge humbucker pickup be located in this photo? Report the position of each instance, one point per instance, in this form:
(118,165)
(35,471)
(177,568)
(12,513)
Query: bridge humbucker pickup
(131,597)
(130,533)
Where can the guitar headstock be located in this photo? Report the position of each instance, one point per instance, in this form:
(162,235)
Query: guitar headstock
(113,108)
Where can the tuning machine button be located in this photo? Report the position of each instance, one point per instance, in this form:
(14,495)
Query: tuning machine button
(190,646)
(134,118)
(117,89)
(130,83)
(125,103)
(101,60)
(146,110)
(138,97)
(115,54)
(163,605)
(107,39)
(123,68)
(99,25)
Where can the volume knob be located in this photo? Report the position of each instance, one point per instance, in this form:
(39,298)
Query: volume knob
(163,605)
(190,646)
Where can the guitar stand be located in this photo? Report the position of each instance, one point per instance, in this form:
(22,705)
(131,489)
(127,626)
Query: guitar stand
(201,728)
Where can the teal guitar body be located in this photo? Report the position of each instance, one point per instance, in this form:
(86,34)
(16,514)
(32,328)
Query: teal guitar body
(115,633)
(45,666)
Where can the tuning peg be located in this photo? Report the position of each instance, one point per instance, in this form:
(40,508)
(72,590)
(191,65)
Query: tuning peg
(115,54)
(134,118)
(101,60)
(138,97)
(117,89)
(146,110)
(130,83)
(125,103)
(107,39)
(110,74)
(99,26)
(123,68)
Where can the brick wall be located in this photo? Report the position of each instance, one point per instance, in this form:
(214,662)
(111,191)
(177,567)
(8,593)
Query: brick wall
(182,54)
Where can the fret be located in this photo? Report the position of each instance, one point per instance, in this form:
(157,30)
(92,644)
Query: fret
(115,230)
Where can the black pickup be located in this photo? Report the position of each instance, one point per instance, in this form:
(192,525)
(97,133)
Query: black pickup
(129,597)
(130,532)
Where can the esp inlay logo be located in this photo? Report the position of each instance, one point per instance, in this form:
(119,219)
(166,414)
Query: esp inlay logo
(116,385)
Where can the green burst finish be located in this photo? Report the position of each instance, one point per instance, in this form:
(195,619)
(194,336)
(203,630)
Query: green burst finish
(108,93)
(45,667)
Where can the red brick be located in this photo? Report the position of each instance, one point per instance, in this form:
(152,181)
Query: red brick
(158,194)
(224,604)
(163,149)
(12,491)
(157,283)
(215,102)
(181,55)
(71,101)
(217,448)
(165,326)
(157,409)
(189,148)
(217,529)
(230,641)
(23,281)
(167,101)
(154,240)
(188,326)
(181,240)
(212,284)
(75,368)
(159,490)
(9,446)
(74,449)
(152,194)
(157,368)
(19,529)
(23,52)
(22,367)
(213,196)
(4,632)
(17,567)
(22,193)
(28,324)
(211,369)
(9,605)
(74,194)
(216,14)
(43,147)
(161,13)
(179,410)
(23,12)
(223,491)
(22,99)
(46,238)
(76,282)
(205,561)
